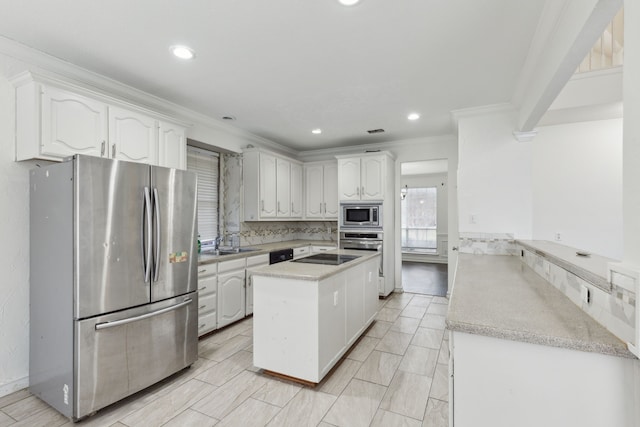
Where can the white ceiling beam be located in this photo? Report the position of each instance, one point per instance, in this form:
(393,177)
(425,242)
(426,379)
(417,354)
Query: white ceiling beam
(566,32)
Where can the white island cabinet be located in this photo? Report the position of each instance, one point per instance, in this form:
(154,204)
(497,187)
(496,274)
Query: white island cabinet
(306,316)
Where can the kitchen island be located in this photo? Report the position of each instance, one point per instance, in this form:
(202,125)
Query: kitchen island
(522,354)
(306,316)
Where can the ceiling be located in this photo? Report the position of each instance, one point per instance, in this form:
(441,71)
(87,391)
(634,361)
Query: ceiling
(285,67)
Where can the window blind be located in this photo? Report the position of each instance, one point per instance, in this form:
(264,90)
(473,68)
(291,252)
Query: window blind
(206,164)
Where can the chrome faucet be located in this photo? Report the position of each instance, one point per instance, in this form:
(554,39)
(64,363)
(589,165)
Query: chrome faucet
(216,242)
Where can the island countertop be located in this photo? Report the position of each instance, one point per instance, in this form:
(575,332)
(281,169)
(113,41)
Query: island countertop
(499,296)
(313,272)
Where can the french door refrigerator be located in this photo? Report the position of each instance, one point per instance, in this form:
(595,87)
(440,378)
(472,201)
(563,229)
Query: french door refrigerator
(113,280)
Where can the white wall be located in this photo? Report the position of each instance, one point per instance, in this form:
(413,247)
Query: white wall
(577,185)
(432,180)
(494,176)
(14,252)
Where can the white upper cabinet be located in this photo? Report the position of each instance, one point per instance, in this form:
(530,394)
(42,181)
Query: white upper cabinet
(172,150)
(272,186)
(72,124)
(321,190)
(362,178)
(132,136)
(54,121)
(296,190)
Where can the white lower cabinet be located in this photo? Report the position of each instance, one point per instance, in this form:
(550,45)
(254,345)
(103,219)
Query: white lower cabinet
(315,249)
(252,262)
(231,291)
(301,252)
(207,298)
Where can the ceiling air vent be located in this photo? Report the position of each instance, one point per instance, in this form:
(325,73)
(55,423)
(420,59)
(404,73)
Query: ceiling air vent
(372,131)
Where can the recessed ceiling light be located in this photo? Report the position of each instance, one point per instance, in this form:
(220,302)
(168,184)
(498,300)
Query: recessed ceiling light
(348,2)
(317,131)
(183,52)
(413,116)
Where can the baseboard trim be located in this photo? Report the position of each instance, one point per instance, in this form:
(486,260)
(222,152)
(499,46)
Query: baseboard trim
(424,258)
(13,386)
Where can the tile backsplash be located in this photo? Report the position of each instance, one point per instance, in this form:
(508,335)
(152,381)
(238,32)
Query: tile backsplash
(255,233)
(487,243)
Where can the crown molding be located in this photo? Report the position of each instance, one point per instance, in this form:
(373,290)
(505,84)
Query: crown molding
(463,113)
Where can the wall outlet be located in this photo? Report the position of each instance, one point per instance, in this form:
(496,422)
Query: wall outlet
(585,293)
(558,237)
(473,219)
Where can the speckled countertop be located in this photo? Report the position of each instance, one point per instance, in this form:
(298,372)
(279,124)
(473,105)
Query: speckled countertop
(313,272)
(501,297)
(263,249)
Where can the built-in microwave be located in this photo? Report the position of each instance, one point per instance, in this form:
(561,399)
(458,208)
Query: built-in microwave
(360,215)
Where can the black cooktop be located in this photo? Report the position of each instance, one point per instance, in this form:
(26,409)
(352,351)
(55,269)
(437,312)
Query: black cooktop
(327,259)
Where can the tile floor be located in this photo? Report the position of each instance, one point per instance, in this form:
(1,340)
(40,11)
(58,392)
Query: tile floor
(396,375)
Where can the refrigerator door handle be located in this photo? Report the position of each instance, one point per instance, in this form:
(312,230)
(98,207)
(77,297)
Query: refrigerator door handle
(146,235)
(115,323)
(156,218)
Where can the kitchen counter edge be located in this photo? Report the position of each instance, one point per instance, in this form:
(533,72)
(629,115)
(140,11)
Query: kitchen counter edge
(264,248)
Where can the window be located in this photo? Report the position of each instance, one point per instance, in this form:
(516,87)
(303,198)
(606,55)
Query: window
(206,164)
(419,220)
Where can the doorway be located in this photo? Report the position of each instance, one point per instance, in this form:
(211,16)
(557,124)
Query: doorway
(424,226)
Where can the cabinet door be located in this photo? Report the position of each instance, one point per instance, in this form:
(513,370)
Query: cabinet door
(231,297)
(172,147)
(72,124)
(370,290)
(267,186)
(330,191)
(132,136)
(283,188)
(354,285)
(296,190)
(313,191)
(349,179)
(372,178)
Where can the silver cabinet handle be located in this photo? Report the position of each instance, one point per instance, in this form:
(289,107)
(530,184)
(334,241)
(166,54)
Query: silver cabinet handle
(455,248)
(292,210)
(106,325)
(202,271)
(113,151)
(279,207)
(102,149)
(261,205)
(358,191)
(325,207)
(156,217)
(362,191)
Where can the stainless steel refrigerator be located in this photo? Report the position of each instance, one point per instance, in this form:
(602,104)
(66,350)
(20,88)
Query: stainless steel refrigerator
(113,303)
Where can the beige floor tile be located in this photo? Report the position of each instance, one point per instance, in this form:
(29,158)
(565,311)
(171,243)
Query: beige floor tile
(251,413)
(414,312)
(419,360)
(220,352)
(387,314)
(24,408)
(379,329)
(222,372)
(46,418)
(443,357)
(440,309)
(397,303)
(394,342)
(363,349)
(440,300)
(437,414)
(307,408)
(277,392)
(231,395)
(164,408)
(406,325)
(407,395)
(357,405)
(389,419)
(421,300)
(239,328)
(440,385)
(191,418)
(379,368)
(335,382)
(6,420)
(426,337)
(433,321)
(14,397)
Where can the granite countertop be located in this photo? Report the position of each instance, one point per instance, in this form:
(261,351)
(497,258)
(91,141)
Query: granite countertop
(592,268)
(263,249)
(499,296)
(313,272)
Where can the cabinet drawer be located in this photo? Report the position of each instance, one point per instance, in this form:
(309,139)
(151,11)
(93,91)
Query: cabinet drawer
(257,260)
(207,303)
(207,323)
(318,249)
(234,264)
(207,285)
(301,252)
(207,269)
